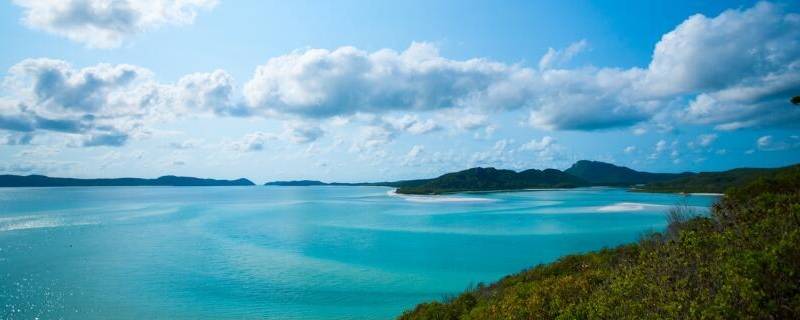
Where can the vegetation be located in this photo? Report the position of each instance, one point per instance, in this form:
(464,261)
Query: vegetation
(741,262)
(606,174)
(44,181)
(487,179)
(713,182)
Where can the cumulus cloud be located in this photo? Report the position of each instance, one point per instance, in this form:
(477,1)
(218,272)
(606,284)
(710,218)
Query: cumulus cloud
(105,103)
(744,64)
(107,23)
(319,82)
(213,91)
(734,69)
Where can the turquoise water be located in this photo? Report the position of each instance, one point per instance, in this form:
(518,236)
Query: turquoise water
(288,252)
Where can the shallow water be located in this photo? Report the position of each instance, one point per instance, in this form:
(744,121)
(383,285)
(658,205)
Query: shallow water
(288,252)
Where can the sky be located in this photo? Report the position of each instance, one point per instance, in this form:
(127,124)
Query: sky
(377,90)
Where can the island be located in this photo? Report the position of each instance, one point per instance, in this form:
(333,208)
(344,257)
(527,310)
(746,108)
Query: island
(583,173)
(173,181)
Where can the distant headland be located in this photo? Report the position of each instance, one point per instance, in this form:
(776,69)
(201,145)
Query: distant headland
(174,181)
(583,173)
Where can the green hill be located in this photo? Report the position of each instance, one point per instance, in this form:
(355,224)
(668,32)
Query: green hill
(489,179)
(601,173)
(716,182)
(741,262)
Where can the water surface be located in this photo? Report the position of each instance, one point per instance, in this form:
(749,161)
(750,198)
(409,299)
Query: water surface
(288,252)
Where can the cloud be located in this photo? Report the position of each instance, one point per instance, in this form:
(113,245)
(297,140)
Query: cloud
(735,69)
(371,137)
(412,124)
(14,139)
(413,155)
(768,143)
(55,87)
(113,139)
(659,148)
(706,140)
(470,121)
(298,132)
(104,23)
(630,149)
(186,144)
(743,64)
(211,91)
(555,57)
(545,148)
(301,132)
(322,83)
(255,141)
(539,145)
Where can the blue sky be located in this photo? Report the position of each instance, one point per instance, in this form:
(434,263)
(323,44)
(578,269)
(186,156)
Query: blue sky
(358,90)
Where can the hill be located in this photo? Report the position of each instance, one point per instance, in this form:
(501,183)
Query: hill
(44,181)
(715,182)
(741,262)
(490,179)
(601,173)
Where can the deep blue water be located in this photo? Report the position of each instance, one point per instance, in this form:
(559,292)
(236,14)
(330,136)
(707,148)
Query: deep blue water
(288,252)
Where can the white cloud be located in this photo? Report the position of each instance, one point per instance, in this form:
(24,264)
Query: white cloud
(371,137)
(469,121)
(412,124)
(321,83)
(555,57)
(107,23)
(301,132)
(255,141)
(539,145)
(208,92)
(768,143)
(630,149)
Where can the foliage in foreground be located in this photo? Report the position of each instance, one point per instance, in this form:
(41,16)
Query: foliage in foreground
(742,262)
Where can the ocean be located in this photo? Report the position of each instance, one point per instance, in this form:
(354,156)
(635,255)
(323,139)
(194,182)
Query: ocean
(290,252)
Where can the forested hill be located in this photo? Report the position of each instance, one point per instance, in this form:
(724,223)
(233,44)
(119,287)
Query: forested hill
(601,173)
(715,182)
(489,179)
(44,181)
